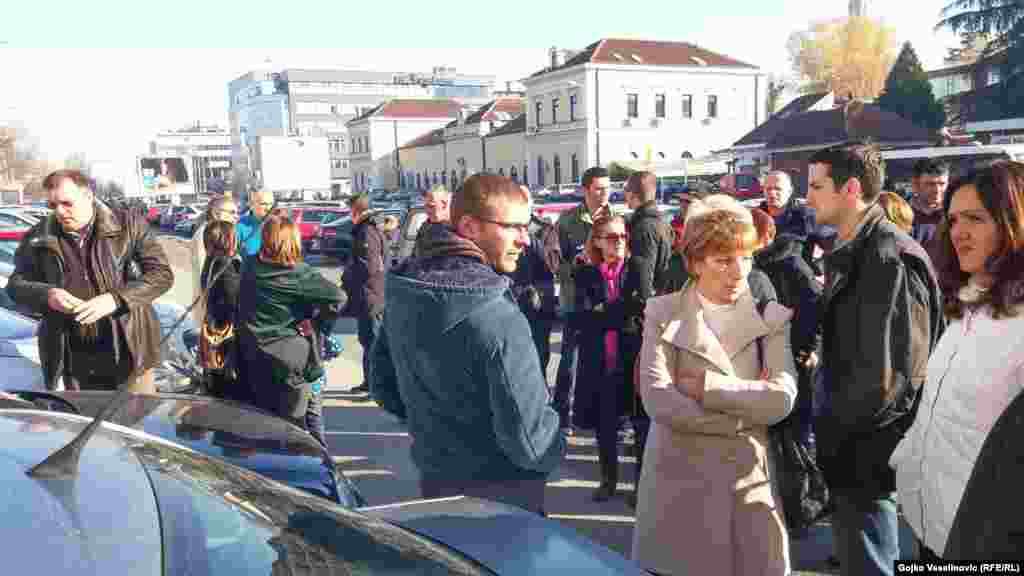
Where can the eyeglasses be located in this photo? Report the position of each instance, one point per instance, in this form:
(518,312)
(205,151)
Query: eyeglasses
(516,226)
(614,237)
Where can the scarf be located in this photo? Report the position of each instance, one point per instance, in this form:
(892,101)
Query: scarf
(610,273)
(443,241)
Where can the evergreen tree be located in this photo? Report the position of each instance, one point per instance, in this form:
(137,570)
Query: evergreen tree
(909,93)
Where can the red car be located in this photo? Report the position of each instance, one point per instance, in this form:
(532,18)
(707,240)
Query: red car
(742,186)
(9,240)
(309,219)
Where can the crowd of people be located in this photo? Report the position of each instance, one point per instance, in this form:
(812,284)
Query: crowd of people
(853,355)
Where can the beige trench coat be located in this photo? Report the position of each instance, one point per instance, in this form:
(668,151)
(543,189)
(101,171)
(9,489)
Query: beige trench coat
(706,504)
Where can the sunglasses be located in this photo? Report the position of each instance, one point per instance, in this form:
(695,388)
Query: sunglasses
(516,226)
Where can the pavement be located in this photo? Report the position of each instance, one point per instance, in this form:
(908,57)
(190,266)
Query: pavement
(372,448)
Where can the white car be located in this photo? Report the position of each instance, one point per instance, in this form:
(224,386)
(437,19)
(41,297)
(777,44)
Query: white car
(19,349)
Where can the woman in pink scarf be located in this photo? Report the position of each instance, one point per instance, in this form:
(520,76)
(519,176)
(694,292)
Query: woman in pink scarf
(602,392)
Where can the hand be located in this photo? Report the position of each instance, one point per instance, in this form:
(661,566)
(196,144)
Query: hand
(60,300)
(96,309)
(691,384)
(807,360)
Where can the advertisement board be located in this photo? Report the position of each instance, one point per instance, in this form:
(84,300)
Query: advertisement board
(165,175)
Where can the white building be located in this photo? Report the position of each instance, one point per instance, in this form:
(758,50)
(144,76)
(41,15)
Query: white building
(629,100)
(376,136)
(206,148)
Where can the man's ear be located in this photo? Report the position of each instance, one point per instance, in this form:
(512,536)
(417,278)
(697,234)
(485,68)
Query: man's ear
(852,188)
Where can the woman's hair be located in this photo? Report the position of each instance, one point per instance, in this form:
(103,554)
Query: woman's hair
(717,224)
(280,242)
(1000,187)
(897,210)
(219,238)
(601,226)
(765,226)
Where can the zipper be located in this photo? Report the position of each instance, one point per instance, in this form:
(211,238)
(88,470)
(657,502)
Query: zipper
(931,420)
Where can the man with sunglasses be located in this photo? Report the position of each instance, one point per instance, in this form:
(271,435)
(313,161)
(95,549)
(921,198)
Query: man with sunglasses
(456,358)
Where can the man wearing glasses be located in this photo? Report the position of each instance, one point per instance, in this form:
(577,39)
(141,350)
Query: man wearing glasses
(456,358)
(220,209)
(249,227)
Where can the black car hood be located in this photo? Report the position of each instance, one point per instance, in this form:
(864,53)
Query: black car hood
(236,433)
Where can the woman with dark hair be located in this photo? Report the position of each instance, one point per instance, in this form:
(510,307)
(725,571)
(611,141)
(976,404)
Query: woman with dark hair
(603,394)
(280,298)
(218,343)
(977,368)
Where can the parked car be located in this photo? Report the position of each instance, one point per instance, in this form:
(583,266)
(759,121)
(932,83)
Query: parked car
(185,512)
(237,433)
(175,214)
(154,211)
(16,218)
(177,371)
(335,238)
(187,226)
(309,218)
(137,504)
(742,186)
(9,240)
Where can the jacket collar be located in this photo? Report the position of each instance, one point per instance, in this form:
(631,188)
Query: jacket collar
(104,224)
(688,331)
(841,257)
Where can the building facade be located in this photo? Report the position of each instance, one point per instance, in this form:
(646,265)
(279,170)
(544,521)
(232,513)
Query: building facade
(633,100)
(208,150)
(321,102)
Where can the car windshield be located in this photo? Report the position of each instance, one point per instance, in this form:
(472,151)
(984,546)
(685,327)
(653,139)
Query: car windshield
(218,519)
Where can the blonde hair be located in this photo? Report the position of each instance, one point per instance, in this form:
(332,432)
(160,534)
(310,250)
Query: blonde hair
(897,210)
(718,224)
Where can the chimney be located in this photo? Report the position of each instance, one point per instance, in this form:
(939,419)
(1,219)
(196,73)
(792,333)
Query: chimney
(556,57)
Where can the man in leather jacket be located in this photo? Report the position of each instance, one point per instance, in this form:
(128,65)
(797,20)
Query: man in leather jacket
(92,273)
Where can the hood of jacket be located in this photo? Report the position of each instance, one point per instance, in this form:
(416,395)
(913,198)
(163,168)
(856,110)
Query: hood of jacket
(446,283)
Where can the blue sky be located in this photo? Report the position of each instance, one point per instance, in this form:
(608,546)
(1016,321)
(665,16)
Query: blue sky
(104,78)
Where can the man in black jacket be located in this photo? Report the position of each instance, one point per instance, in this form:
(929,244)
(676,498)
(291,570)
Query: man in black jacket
(882,315)
(92,273)
(364,280)
(650,250)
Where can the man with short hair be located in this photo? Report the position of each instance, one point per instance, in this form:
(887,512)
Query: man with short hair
(92,273)
(364,280)
(791,217)
(650,251)
(457,361)
(573,229)
(220,209)
(931,177)
(436,203)
(249,228)
(882,315)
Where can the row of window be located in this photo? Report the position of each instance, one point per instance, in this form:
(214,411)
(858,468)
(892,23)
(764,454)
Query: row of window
(555,103)
(361,144)
(327,108)
(686,109)
(340,164)
(425,179)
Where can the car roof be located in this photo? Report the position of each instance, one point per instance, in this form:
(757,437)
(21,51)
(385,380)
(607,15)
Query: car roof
(237,433)
(63,526)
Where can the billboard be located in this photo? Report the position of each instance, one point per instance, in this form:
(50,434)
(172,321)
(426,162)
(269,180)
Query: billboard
(294,163)
(165,175)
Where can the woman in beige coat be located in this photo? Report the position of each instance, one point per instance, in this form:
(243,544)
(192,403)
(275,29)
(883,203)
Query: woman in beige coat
(714,371)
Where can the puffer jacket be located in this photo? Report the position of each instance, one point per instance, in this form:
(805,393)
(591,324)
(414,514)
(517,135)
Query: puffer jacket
(976,371)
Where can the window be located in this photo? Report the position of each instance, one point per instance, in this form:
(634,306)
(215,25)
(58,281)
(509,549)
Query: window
(540,109)
(419,184)
(540,170)
(526,176)
(558,171)
(631,106)
(513,175)
(455,179)
(554,110)
(572,107)
(344,164)
(687,105)
(659,106)
(712,106)
(575,167)
(444,178)
(501,171)
(337,164)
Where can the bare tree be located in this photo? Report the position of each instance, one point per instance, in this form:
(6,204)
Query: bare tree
(850,56)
